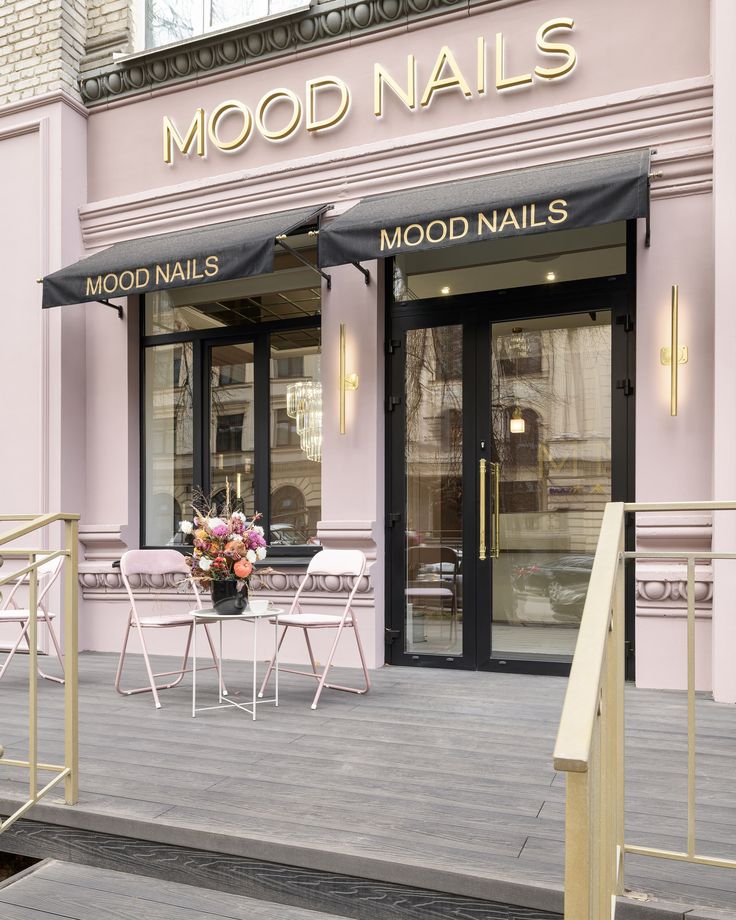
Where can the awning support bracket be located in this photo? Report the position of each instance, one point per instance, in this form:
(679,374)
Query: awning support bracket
(297,255)
(366,273)
(114,306)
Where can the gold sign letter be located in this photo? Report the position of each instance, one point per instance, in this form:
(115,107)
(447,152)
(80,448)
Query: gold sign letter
(223,109)
(266,102)
(550,73)
(503,82)
(381,76)
(436,82)
(195,133)
(315,124)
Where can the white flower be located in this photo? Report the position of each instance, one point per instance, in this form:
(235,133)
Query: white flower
(204,564)
(261,552)
(259,530)
(236,538)
(239,515)
(186,527)
(251,556)
(215,522)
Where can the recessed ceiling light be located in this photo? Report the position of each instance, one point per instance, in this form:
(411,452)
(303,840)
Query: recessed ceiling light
(551,276)
(445,290)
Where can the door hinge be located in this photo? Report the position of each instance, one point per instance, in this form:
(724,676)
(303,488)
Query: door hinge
(626,385)
(392,635)
(392,402)
(628,650)
(393,345)
(394,518)
(627,321)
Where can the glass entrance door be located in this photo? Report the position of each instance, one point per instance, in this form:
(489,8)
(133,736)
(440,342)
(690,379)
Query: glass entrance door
(550,418)
(501,462)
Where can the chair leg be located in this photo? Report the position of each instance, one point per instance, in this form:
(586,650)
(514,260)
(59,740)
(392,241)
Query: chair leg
(121,659)
(362,658)
(309,649)
(14,649)
(149,669)
(55,641)
(328,665)
(269,670)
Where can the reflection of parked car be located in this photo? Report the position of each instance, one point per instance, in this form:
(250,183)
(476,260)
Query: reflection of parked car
(287,535)
(564,581)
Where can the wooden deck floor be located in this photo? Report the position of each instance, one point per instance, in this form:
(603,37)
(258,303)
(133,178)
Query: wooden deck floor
(64,891)
(437,779)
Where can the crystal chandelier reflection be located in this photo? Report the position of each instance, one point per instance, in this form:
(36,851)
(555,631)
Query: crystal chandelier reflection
(304,403)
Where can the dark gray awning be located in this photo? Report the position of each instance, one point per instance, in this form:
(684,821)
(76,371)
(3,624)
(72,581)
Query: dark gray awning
(218,252)
(561,196)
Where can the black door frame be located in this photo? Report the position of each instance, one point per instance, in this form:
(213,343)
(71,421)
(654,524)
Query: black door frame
(477,312)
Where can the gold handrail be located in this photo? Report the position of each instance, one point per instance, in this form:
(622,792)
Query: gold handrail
(69,770)
(590,739)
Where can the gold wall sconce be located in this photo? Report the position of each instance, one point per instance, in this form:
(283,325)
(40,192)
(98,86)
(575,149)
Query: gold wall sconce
(347,381)
(674,348)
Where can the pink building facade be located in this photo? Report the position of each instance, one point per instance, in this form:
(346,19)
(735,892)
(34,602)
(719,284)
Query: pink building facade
(559,332)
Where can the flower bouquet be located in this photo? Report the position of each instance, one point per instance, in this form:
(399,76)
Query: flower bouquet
(226,547)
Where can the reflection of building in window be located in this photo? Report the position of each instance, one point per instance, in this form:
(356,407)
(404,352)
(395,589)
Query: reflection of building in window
(289,507)
(520,354)
(288,367)
(285,434)
(448,357)
(523,447)
(518,496)
(231,374)
(229,437)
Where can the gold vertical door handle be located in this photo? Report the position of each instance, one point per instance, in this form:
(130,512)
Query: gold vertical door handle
(496,537)
(482,504)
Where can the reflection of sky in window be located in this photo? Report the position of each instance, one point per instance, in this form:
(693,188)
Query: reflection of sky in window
(170,21)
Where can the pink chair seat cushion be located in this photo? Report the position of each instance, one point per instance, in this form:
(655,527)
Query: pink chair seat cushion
(20,616)
(168,619)
(310,619)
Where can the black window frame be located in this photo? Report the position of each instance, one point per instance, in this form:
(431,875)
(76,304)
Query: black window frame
(202,341)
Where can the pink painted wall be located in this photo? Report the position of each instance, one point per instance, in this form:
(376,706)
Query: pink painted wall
(620,48)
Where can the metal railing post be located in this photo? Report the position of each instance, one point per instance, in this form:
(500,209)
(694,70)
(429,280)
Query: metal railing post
(33,678)
(71,668)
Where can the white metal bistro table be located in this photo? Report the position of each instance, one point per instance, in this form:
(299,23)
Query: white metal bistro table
(209,615)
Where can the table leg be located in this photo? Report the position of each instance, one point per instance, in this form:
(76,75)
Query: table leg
(219,671)
(276,635)
(194,672)
(255,663)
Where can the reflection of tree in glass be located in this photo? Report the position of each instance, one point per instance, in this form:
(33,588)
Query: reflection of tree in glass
(167,21)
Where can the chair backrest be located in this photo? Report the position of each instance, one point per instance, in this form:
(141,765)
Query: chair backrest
(337,562)
(153,562)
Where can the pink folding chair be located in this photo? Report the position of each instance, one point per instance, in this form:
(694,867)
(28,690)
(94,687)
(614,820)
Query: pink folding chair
(48,572)
(346,563)
(160,562)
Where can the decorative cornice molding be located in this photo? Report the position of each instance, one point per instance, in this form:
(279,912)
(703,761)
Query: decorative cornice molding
(108,584)
(322,24)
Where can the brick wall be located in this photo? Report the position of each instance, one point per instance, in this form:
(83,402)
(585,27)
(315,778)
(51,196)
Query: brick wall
(43,45)
(110,26)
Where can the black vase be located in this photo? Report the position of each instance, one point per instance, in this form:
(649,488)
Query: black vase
(227,600)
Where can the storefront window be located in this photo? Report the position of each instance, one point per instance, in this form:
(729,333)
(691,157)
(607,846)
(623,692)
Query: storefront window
(296,436)
(168,429)
(233,401)
(170,21)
